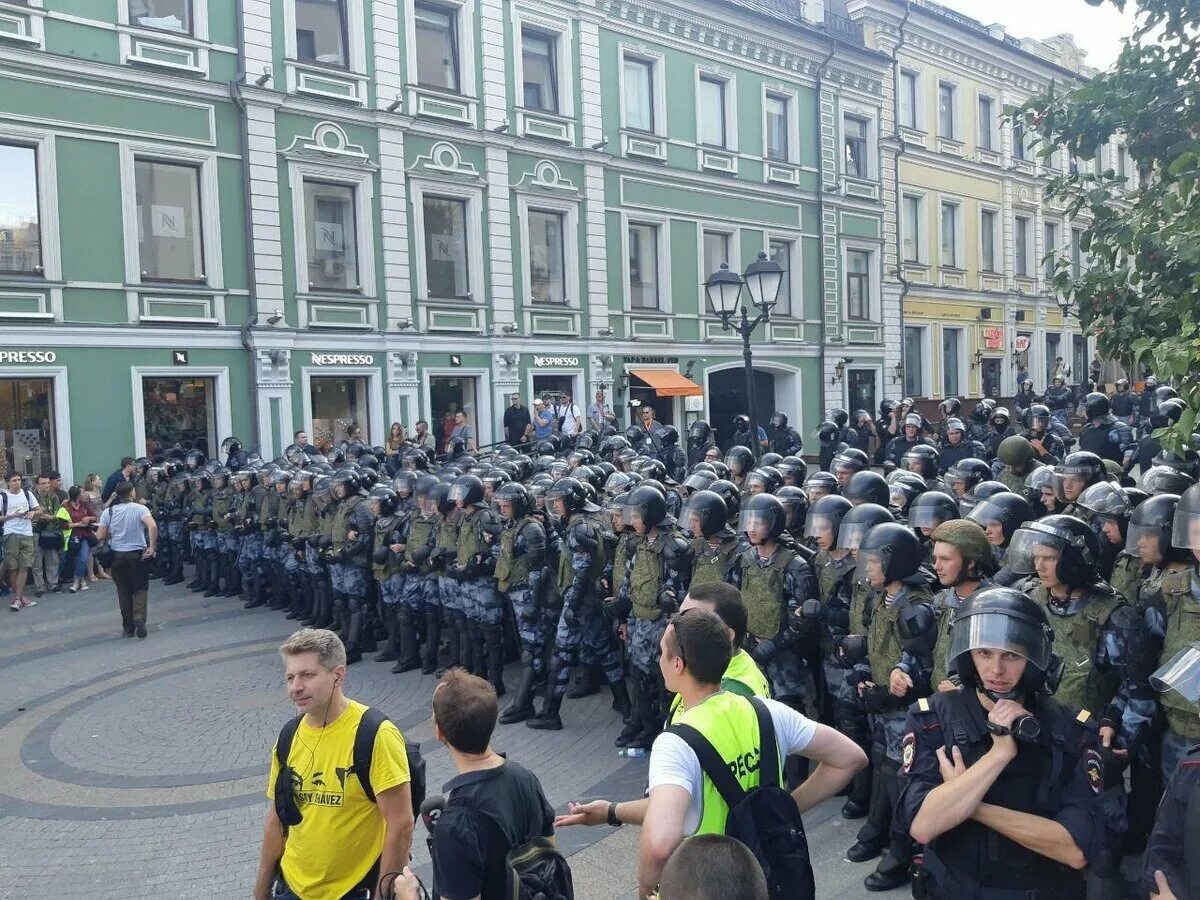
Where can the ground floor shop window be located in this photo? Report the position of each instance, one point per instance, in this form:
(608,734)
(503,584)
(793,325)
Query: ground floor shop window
(27,425)
(860,387)
(449,395)
(339,406)
(179,412)
(552,387)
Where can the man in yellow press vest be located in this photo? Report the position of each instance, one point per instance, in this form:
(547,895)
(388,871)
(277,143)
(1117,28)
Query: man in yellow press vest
(696,652)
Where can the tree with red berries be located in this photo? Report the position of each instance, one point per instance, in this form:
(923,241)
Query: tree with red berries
(1140,294)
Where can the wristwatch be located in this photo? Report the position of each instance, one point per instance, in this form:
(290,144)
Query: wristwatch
(612,815)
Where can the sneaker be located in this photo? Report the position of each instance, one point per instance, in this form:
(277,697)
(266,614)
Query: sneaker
(84,587)
(26,602)
(15,606)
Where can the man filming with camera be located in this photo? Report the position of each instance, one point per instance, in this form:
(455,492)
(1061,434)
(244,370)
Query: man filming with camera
(1002,783)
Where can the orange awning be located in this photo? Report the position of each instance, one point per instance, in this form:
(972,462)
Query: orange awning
(668,383)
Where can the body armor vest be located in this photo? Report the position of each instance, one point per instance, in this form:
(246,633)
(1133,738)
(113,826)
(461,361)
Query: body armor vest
(763,591)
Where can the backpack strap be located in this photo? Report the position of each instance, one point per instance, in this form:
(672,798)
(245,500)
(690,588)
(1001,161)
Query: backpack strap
(364,747)
(283,746)
(711,764)
(768,761)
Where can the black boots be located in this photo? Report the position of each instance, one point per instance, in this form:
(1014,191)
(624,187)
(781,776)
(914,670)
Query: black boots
(212,580)
(522,705)
(409,656)
(391,650)
(493,650)
(433,637)
(586,683)
(620,696)
(548,719)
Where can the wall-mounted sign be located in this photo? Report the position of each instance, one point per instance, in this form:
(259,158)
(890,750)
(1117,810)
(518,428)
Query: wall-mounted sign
(28,356)
(993,338)
(634,360)
(1021,344)
(343,359)
(179,357)
(556,360)
(455,359)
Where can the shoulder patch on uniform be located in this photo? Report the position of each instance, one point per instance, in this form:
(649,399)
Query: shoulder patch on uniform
(1083,716)
(923,704)
(1094,767)
(908,751)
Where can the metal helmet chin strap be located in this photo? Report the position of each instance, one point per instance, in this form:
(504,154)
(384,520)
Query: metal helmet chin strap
(995,696)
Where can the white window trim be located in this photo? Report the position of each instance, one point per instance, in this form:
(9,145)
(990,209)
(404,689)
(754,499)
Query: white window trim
(919,111)
(734,237)
(1057,249)
(47,195)
(871,115)
(962,353)
(465,32)
(710,73)
(925,373)
(363,184)
(795,271)
(658,87)
(222,416)
(874,281)
(1031,263)
(922,221)
(483,424)
(356,38)
(375,426)
(956,131)
(560,30)
(787,95)
(569,210)
(993,125)
(663,224)
(997,240)
(418,188)
(959,263)
(210,210)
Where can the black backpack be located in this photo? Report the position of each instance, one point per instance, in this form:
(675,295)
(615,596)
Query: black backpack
(764,818)
(364,748)
(538,871)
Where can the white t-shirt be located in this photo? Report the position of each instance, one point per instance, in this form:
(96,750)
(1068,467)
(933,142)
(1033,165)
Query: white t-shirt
(672,761)
(19,503)
(571,422)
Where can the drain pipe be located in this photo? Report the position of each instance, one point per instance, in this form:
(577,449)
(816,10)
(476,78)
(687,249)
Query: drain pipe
(235,95)
(821,69)
(900,148)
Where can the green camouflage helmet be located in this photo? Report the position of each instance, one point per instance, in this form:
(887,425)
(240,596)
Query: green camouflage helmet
(1015,452)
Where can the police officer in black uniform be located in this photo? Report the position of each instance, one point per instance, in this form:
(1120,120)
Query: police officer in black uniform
(1002,784)
(782,437)
(1104,434)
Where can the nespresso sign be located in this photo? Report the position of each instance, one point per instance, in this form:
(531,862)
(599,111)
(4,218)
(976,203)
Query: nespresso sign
(556,361)
(28,356)
(343,359)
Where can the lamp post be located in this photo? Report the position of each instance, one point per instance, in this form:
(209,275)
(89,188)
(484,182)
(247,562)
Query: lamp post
(723,288)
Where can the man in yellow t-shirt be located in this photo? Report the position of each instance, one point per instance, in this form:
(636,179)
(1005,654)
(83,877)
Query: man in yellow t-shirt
(343,843)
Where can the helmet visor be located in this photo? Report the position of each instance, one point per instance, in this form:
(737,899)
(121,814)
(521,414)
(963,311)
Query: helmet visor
(1180,673)
(818,525)
(1069,485)
(1145,541)
(1185,530)
(458,492)
(851,535)
(897,496)
(996,631)
(1029,546)
(873,566)
(987,513)
(928,516)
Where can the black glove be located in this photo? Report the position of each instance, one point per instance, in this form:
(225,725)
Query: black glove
(668,603)
(763,651)
(877,699)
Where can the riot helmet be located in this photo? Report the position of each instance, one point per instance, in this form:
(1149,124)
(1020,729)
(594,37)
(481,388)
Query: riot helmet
(931,509)
(1149,531)
(889,552)
(1003,510)
(704,514)
(1006,620)
(867,487)
(1075,473)
(762,519)
(858,521)
(1066,540)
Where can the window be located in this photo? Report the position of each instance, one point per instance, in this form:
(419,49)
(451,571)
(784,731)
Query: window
(949,255)
(1021,237)
(858,284)
(1050,236)
(447,270)
(951,360)
(716,251)
(165,15)
(777,127)
(1076,252)
(781,252)
(27,408)
(643,266)
(332,237)
(178,411)
(539,65)
(987,240)
(1053,352)
(170,243)
(912,228)
(712,112)
(854,130)
(1122,161)
(20,235)
(437,47)
(639,94)
(946,115)
(337,404)
(985,123)
(547,263)
(914,361)
(1018,135)
(909,94)
(321,32)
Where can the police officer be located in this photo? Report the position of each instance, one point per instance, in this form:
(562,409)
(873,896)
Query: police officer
(670,454)
(1000,514)
(963,562)
(1107,507)
(1015,459)
(956,447)
(228,543)
(581,634)
(700,441)
(1125,403)
(1106,435)
(1001,783)
(449,600)
(740,460)
(1001,427)
(714,544)
(784,439)
(349,555)
(522,576)
(478,528)
(1077,472)
(387,568)
(176,534)
(421,596)
(1050,438)
(1058,398)
(909,437)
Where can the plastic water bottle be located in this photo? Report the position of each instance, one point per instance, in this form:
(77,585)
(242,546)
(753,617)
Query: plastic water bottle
(633,752)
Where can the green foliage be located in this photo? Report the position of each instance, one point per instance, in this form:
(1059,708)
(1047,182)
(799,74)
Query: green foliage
(1140,294)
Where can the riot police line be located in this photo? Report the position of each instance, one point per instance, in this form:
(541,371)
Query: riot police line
(573,556)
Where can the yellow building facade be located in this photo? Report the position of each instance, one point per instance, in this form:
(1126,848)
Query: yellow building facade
(969,231)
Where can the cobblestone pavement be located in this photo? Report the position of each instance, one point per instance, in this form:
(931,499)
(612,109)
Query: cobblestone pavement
(136,769)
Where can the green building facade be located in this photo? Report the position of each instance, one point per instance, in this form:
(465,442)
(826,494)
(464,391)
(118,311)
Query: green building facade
(251,217)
